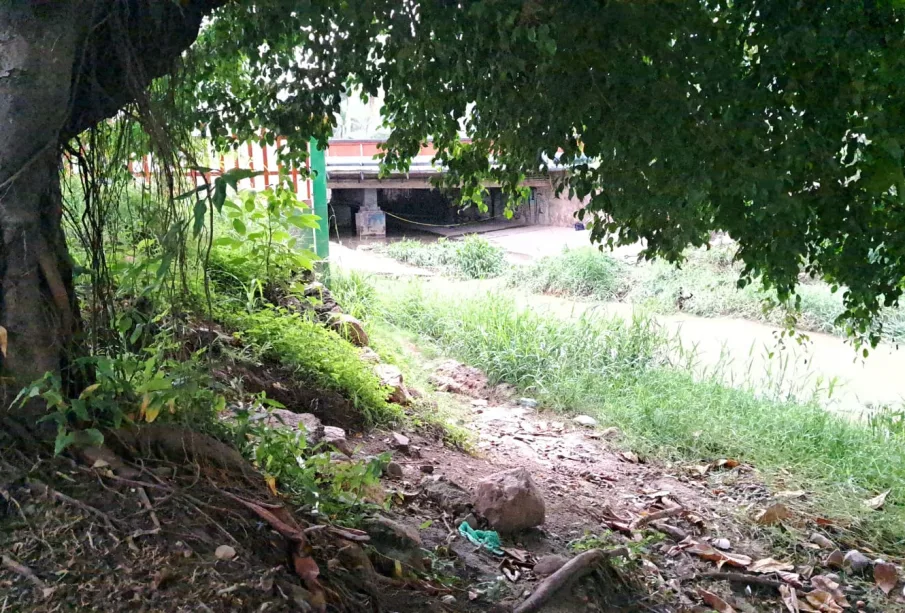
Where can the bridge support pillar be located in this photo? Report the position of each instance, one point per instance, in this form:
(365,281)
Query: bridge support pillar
(370,221)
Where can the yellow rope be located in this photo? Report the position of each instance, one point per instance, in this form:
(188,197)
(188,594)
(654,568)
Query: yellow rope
(434,225)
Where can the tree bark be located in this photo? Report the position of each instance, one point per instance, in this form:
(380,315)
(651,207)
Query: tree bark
(65,65)
(38,44)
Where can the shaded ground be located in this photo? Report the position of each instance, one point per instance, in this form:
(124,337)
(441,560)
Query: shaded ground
(597,494)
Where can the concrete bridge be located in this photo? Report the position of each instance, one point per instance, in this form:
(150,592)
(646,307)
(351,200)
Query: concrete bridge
(362,201)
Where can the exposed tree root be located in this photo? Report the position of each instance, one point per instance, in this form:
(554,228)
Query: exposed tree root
(574,569)
(178,445)
(23,570)
(646,519)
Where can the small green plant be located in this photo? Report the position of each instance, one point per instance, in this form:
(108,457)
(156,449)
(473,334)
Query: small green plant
(309,475)
(127,388)
(267,236)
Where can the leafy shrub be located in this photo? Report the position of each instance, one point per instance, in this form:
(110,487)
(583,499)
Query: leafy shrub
(440,254)
(585,273)
(317,354)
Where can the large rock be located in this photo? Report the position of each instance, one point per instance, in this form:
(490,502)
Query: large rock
(510,501)
(285,418)
(349,328)
(391,377)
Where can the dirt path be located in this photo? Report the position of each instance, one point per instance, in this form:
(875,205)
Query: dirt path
(596,496)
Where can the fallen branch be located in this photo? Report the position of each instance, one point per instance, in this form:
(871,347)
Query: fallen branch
(23,570)
(642,521)
(575,568)
(743,578)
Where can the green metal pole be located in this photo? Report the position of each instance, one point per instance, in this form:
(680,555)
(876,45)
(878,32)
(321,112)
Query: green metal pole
(319,168)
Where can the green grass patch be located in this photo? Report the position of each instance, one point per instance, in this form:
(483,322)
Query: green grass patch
(318,355)
(616,371)
(581,273)
(473,257)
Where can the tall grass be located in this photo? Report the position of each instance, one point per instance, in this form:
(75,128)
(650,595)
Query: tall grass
(585,273)
(473,257)
(705,285)
(616,371)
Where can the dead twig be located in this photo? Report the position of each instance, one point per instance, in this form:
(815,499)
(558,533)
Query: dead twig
(42,489)
(743,578)
(642,521)
(575,568)
(675,533)
(23,570)
(146,503)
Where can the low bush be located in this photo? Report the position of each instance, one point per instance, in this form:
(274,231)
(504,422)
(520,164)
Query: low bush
(582,273)
(473,257)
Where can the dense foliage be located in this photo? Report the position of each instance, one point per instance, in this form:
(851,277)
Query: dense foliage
(778,122)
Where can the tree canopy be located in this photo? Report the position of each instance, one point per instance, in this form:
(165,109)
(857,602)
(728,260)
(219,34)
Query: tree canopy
(778,122)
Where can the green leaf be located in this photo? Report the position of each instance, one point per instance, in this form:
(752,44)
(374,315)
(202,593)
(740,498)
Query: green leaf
(200,211)
(239,226)
(227,241)
(64,439)
(95,437)
(305,221)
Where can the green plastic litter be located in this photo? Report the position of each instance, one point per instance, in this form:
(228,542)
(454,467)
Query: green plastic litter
(488,539)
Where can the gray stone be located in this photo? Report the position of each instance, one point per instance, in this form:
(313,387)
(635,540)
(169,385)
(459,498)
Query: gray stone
(469,519)
(585,420)
(427,469)
(530,403)
(225,552)
(401,442)
(368,355)
(393,470)
(448,599)
(337,438)
(856,562)
(299,421)
(547,565)
(510,501)
(446,495)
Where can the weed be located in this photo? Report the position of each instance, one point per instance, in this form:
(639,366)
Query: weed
(354,293)
(317,354)
(473,257)
(583,273)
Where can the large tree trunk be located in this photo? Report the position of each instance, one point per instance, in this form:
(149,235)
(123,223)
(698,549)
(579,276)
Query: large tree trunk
(65,65)
(38,43)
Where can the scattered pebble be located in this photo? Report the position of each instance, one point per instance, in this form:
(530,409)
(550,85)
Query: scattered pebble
(448,599)
(856,561)
(427,469)
(530,403)
(824,542)
(225,552)
(401,442)
(585,420)
(393,470)
(722,544)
